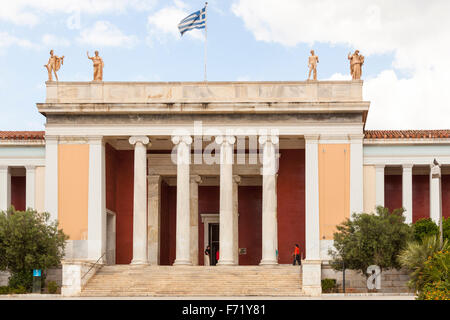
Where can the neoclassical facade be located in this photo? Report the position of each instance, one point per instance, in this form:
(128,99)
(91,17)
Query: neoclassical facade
(152,173)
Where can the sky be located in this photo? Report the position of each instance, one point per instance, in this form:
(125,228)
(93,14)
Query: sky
(405,43)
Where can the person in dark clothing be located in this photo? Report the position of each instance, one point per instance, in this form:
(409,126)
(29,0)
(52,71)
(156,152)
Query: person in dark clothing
(208,253)
(296,255)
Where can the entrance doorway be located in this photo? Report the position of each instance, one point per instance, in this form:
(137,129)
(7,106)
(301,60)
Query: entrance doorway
(214,241)
(210,236)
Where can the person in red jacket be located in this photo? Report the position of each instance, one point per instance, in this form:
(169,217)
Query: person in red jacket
(217,255)
(296,255)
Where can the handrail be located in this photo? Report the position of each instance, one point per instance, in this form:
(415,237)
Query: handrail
(94,264)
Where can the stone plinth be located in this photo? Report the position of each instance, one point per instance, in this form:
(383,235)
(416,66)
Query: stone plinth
(75,275)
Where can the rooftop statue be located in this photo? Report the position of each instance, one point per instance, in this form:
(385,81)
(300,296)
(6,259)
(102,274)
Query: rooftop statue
(356,62)
(312,64)
(54,63)
(98,66)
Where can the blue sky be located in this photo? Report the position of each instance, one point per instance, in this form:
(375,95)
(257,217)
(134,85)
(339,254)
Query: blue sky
(248,40)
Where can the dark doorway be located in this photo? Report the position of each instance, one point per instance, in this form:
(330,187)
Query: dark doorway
(214,241)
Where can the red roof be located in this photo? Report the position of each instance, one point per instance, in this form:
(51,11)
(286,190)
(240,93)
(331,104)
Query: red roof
(22,135)
(406,134)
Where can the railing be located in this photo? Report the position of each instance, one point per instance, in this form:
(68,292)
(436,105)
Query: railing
(94,265)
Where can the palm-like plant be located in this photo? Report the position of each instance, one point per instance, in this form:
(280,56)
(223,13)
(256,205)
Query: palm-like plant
(413,257)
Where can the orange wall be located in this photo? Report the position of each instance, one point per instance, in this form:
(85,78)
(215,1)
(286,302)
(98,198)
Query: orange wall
(334,187)
(73,182)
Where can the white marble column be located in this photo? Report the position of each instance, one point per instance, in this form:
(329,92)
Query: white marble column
(154,218)
(193,189)
(5,188)
(30,183)
(269,195)
(140,255)
(183,251)
(407,192)
(51,176)
(311,266)
(356,174)
(236,182)
(379,185)
(226,224)
(435,198)
(96,200)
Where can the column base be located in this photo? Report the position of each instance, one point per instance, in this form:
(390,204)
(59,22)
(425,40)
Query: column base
(182,263)
(226,263)
(140,262)
(268,262)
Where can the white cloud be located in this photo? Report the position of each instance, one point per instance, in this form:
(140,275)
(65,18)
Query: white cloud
(54,41)
(415,31)
(29,12)
(164,22)
(7,40)
(105,34)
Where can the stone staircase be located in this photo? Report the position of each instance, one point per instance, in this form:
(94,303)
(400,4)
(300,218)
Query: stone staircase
(140,281)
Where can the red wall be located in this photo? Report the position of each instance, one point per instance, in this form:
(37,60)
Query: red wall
(250,224)
(393,191)
(421,197)
(119,167)
(291,203)
(445,181)
(168,224)
(18,192)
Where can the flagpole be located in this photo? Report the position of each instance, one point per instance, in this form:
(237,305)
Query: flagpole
(206,35)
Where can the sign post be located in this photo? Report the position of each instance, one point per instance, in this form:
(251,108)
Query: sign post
(36,281)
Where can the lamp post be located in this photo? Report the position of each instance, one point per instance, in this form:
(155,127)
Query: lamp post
(436,174)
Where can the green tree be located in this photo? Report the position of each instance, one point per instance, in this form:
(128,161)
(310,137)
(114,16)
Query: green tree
(425,227)
(28,240)
(371,239)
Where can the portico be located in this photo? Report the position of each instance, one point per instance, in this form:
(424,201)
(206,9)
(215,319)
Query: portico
(161,155)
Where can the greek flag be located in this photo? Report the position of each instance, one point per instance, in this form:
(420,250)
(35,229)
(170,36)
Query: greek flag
(196,20)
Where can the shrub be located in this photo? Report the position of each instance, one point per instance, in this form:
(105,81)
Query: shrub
(328,285)
(5,290)
(436,277)
(446,228)
(19,290)
(425,227)
(28,241)
(371,239)
(52,287)
(435,291)
(415,256)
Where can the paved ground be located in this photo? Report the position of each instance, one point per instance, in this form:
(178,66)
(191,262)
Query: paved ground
(323,297)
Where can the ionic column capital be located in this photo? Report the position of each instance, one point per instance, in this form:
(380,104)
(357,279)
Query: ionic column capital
(178,139)
(4,167)
(30,167)
(142,139)
(225,139)
(380,166)
(264,139)
(236,179)
(195,179)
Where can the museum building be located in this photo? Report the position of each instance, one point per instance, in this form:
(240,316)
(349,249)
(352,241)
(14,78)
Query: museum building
(153,173)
